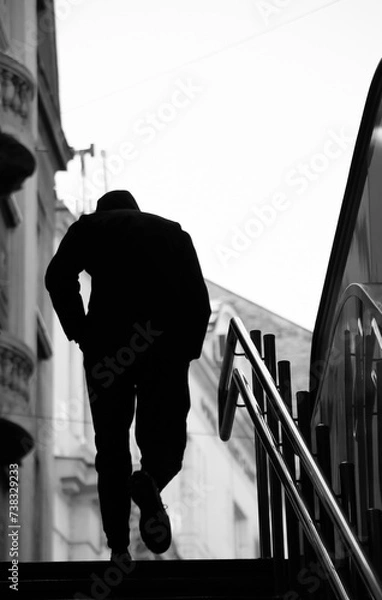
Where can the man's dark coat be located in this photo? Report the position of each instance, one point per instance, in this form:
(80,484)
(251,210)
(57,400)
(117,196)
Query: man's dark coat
(145,276)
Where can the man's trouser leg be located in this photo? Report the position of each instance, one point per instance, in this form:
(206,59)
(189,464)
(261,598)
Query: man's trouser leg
(112,408)
(163,403)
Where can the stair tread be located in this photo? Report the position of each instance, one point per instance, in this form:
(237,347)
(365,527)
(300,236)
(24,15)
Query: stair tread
(157,568)
(145,580)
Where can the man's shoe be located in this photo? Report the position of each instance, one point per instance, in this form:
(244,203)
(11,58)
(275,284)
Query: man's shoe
(154,523)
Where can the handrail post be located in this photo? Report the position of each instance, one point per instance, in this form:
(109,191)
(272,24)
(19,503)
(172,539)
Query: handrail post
(369,408)
(374,522)
(261,466)
(348,387)
(292,523)
(359,411)
(326,525)
(324,460)
(378,368)
(275,485)
(348,495)
(348,501)
(304,415)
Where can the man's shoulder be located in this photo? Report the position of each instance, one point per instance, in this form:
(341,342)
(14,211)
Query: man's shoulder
(131,218)
(159,221)
(119,215)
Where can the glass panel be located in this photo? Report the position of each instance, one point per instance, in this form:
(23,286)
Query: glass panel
(348,402)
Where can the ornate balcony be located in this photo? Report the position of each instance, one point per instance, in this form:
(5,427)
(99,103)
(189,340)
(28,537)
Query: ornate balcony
(16,164)
(17,87)
(16,369)
(17,90)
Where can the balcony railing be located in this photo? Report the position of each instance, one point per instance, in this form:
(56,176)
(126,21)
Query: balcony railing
(16,369)
(16,87)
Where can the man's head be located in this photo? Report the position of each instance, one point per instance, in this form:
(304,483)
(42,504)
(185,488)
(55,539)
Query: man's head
(117,200)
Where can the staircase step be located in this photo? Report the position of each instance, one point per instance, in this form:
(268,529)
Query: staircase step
(143,580)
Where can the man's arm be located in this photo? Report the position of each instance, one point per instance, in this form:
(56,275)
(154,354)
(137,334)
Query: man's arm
(62,283)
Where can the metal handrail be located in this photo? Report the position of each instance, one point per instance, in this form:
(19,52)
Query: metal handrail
(226,398)
(290,488)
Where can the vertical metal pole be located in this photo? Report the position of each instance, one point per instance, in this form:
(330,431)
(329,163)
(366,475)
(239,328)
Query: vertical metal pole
(378,368)
(292,523)
(374,524)
(82,154)
(360,435)
(324,460)
(348,501)
(83,179)
(261,465)
(103,154)
(369,397)
(304,415)
(326,525)
(348,497)
(275,485)
(348,397)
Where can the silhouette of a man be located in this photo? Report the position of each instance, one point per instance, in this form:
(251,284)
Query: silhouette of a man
(146,320)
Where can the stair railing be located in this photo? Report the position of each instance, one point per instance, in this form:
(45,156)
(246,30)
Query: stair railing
(232,383)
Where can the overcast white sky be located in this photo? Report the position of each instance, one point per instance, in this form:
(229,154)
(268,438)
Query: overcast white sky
(236,118)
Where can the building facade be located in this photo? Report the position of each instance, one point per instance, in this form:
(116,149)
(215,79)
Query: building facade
(31,141)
